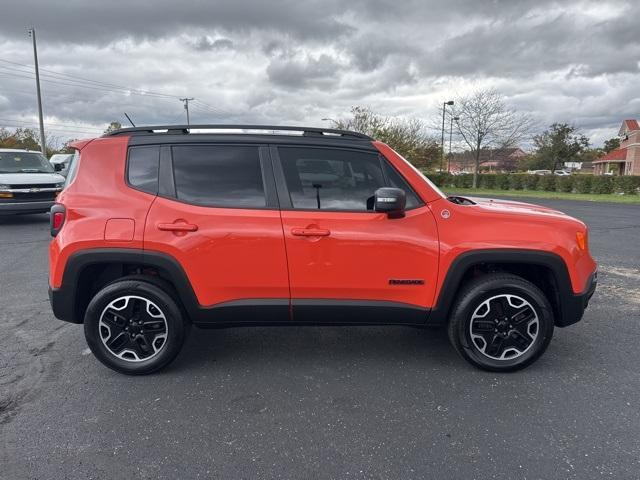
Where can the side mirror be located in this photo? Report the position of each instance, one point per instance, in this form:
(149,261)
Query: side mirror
(390,201)
(58,167)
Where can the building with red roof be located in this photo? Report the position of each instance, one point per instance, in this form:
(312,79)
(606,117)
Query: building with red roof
(626,159)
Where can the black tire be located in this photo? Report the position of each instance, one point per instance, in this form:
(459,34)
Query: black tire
(485,303)
(142,352)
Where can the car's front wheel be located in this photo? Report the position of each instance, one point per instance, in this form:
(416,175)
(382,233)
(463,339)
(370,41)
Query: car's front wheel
(134,327)
(501,322)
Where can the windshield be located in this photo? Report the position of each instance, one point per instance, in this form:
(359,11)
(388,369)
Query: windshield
(24,162)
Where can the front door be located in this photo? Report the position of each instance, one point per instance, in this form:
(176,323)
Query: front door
(348,263)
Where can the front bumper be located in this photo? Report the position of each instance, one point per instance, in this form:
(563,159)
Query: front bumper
(572,308)
(14,208)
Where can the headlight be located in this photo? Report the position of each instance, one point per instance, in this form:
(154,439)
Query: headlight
(60,185)
(4,187)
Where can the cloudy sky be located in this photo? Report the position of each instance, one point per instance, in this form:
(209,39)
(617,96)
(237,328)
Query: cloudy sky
(299,61)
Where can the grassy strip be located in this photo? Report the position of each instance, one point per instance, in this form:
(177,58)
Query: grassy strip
(589,197)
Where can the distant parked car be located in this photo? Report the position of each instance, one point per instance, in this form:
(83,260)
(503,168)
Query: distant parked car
(28,182)
(60,162)
(561,173)
(540,172)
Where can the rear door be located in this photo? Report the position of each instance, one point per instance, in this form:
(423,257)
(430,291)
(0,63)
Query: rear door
(217,215)
(348,263)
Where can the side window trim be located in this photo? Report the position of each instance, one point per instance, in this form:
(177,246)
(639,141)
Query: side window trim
(281,184)
(168,185)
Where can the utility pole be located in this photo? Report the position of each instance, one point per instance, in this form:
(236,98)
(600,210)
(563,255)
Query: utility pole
(32,34)
(186,106)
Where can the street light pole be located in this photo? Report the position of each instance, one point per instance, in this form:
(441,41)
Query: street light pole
(450,136)
(43,147)
(444,109)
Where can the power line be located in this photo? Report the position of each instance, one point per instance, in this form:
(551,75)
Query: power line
(76,78)
(54,129)
(16,120)
(91,87)
(53,78)
(211,107)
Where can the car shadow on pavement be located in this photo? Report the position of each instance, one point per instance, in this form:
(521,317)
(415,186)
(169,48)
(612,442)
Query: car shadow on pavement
(313,345)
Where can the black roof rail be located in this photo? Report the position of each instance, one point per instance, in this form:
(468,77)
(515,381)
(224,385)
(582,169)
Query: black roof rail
(267,130)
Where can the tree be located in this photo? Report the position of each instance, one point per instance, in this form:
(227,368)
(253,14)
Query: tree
(406,136)
(66,148)
(611,144)
(113,126)
(23,138)
(484,121)
(558,144)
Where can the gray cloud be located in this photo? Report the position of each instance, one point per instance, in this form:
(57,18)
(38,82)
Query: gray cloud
(296,72)
(206,43)
(300,61)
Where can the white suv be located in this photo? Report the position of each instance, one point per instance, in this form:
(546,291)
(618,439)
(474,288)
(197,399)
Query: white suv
(28,182)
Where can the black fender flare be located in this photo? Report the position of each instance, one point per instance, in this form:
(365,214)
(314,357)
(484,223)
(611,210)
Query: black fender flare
(570,305)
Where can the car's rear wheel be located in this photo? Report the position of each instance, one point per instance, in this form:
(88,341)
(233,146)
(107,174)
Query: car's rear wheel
(501,322)
(134,327)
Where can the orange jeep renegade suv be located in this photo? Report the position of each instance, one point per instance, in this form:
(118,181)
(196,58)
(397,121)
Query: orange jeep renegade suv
(159,228)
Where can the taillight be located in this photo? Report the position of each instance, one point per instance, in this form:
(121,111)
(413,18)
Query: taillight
(57,218)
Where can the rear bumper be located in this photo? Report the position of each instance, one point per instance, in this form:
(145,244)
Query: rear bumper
(14,208)
(573,307)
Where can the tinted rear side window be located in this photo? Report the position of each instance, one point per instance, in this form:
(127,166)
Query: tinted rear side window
(219,175)
(143,168)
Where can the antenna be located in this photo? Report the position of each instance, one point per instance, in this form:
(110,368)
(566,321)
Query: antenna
(130,121)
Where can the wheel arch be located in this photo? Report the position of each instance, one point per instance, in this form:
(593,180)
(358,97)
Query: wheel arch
(546,270)
(87,271)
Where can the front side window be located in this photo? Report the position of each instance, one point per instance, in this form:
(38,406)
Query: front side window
(219,175)
(334,179)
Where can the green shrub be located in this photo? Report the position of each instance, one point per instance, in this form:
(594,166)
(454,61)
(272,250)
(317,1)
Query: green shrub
(602,184)
(441,179)
(547,183)
(463,181)
(502,181)
(487,180)
(531,182)
(627,184)
(565,184)
(582,183)
(516,181)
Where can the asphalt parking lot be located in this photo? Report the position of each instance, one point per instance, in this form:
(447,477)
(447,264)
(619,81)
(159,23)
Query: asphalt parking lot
(361,402)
